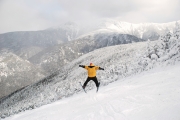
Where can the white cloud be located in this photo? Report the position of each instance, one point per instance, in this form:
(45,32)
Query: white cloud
(17,16)
(40,14)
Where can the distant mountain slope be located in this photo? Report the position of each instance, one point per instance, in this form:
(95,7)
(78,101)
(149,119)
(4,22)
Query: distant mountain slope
(151,31)
(16,73)
(54,58)
(23,43)
(106,33)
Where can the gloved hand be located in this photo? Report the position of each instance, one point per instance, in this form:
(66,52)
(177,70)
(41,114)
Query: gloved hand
(101,68)
(81,66)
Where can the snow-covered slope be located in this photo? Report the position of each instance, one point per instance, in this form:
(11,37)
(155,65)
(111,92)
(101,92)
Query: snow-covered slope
(16,73)
(152,95)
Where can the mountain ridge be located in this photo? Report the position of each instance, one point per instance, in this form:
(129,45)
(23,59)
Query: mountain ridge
(53,58)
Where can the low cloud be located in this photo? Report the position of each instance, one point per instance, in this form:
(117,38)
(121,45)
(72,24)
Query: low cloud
(23,15)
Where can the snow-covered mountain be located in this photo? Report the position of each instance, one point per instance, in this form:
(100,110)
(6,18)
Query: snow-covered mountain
(16,73)
(119,61)
(151,31)
(23,43)
(105,33)
(52,59)
(28,43)
(42,49)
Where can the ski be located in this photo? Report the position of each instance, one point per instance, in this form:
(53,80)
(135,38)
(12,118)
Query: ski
(82,87)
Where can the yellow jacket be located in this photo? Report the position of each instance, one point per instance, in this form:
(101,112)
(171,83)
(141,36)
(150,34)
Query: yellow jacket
(91,70)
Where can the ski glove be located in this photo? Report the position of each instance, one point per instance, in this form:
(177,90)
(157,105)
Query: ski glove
(101,68)
(82,66)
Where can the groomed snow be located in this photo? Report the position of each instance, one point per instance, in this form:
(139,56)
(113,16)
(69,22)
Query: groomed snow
(151,95)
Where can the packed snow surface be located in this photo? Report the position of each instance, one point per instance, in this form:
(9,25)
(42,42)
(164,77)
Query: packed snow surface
(151,95)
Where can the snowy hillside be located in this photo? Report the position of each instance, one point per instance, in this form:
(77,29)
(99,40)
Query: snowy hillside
(119,61)
(52,59)
(16,73)
(152,95)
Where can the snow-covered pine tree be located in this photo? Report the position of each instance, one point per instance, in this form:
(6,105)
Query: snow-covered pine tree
(177,30)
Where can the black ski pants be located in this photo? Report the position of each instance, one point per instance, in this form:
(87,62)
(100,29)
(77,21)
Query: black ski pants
(91,78)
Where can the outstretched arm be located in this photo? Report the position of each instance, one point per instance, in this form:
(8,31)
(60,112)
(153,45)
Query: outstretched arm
(83,66)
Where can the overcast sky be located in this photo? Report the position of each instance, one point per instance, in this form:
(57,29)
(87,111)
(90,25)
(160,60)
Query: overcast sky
(19,15)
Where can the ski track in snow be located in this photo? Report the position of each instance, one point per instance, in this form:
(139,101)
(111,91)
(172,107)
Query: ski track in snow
(151,95)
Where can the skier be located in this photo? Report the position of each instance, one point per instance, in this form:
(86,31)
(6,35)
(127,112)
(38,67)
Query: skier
(91,74)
